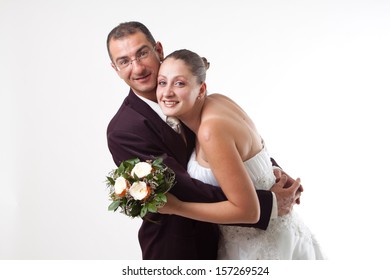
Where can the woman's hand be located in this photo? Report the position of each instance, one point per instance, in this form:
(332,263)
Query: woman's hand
(172,205)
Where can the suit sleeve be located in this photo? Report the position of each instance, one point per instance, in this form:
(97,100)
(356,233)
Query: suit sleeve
(125,145)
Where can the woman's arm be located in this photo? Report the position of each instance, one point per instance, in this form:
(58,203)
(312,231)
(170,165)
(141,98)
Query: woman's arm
(126,144)
(242,205)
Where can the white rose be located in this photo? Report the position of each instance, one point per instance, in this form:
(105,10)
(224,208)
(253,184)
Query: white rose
(120,186)
(141,169)
(139,190)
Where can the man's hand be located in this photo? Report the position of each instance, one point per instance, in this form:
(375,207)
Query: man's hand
(287,191)
(290,181)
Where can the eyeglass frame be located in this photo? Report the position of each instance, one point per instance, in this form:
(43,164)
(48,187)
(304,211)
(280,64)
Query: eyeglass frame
(138,57)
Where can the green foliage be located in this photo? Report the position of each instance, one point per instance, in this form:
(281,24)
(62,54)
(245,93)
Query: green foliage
(114,205)
(158,182)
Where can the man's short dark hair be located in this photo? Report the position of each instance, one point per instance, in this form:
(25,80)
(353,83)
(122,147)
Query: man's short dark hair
(128,28)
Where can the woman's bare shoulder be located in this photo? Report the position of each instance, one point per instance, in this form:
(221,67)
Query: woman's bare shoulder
(218,96)
(223,98)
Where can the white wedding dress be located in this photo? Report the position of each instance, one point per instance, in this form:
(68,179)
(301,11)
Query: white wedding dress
(286,237)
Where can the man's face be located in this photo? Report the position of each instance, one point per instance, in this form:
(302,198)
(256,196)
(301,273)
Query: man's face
(137,61)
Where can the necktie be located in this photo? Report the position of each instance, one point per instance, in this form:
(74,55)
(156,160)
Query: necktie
(177,127)
(174,123)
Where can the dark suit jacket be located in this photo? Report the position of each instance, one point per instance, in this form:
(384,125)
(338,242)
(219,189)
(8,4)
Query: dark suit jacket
(137,131)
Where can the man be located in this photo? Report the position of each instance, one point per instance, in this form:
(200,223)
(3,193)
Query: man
(139,130)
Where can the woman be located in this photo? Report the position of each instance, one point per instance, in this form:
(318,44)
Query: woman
(229,153)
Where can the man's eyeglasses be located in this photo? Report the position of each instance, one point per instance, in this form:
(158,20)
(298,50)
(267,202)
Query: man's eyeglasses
(125,62)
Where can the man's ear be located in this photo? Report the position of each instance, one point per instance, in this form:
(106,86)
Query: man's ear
(159,50)
(115,68)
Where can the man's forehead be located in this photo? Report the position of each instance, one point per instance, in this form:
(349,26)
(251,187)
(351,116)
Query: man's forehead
(129,44)
(135,38)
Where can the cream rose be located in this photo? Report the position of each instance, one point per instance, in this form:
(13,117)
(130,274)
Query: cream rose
(139,190)
(120,186)
(141,169)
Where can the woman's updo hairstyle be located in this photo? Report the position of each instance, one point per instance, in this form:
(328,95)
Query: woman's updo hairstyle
(198,65)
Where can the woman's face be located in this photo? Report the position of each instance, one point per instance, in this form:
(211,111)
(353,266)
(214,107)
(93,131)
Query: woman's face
(177,88)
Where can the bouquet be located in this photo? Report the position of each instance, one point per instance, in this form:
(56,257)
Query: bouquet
(138,187)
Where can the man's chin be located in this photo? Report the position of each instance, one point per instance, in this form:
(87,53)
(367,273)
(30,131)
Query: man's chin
(149,93)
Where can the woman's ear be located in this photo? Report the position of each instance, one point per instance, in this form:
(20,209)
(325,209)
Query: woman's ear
(202,91)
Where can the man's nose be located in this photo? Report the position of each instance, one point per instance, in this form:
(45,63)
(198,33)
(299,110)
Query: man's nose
(137,66)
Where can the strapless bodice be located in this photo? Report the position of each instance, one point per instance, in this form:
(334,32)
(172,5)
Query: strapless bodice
(259,168)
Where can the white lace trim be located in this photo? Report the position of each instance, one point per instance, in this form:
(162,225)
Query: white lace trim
(285,238)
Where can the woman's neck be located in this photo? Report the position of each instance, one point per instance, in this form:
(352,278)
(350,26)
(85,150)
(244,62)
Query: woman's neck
(193,118)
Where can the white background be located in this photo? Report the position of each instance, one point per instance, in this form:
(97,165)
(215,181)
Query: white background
(313,75)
